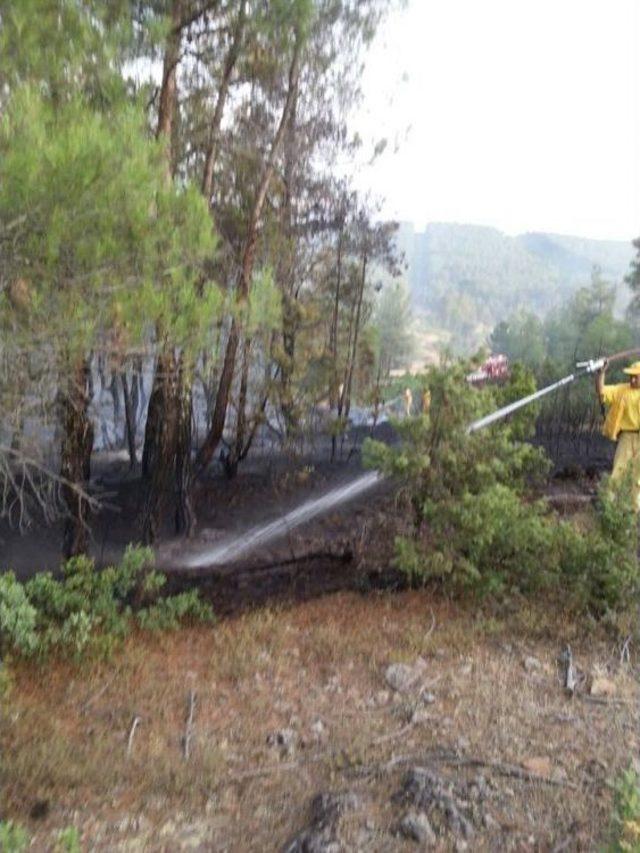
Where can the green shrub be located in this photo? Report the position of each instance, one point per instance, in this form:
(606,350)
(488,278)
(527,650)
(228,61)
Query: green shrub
(13,838)
(68,841)
(472,523)
(599,565)
(168,613)
(625,830)
(18,617)
(88,610)
(6,684)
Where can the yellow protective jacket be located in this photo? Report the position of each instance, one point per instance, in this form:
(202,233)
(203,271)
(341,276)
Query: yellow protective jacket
(623,402)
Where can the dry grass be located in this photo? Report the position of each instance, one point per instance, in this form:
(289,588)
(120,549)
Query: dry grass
(65,731)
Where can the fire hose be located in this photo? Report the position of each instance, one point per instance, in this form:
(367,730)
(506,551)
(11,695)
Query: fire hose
(583,368)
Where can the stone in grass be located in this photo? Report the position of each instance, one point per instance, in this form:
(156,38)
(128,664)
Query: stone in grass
(416,827)
(603,687)
(539,765)
(490,822)
(423,788)
(321,835)
(531,664)
(400,677)
(319,730)
(420,716)
(285,740)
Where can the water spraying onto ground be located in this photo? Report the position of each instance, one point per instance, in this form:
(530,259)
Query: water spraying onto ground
(241,544)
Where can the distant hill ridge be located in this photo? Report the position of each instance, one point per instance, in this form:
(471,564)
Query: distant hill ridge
(468,277)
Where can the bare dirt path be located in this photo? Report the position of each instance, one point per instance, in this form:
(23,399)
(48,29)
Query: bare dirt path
(358,721)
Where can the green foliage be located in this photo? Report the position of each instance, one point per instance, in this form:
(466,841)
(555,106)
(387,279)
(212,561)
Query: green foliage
(6,684)
(584,327)
(265,304)
(625,830)
(599,565)
(474,525)
(68,841)
(521,338)
(64,47)
(88,610)
(104,245)
(470,277)
(168,613)
(633,280)
(17,617)
(392,322)
(13,838)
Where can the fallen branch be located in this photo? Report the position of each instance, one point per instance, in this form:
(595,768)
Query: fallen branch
(342,556)
(339,556)
(570,679)
(511,770)
(134,725)
(432,626)
(625,655)
(392,735)
(283,767)
(256,772)
(28,463)
(603,700)
(188,732)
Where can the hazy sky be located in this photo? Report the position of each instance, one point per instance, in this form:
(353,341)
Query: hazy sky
(522,114)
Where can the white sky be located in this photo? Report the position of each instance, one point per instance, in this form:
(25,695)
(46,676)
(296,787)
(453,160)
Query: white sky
(521,114)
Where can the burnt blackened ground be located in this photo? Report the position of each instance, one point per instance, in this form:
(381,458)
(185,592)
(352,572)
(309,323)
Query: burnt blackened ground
(579,454)
(268,483)
(321,556)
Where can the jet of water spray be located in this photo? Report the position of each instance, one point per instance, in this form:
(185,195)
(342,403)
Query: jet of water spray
(238,546)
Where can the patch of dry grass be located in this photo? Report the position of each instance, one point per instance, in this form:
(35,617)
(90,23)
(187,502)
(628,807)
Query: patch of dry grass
(64,734)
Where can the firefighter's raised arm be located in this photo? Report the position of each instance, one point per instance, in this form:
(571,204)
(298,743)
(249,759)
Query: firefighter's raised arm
(600,380)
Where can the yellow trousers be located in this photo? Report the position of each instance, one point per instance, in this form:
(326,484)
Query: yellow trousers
(628,455)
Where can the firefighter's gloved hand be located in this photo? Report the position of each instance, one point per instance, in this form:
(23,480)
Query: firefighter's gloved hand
(594,365)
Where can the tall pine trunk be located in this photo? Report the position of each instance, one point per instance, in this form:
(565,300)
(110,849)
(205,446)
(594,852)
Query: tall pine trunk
(130,410)
(185,517)
(75,467)
(216,429)
(159,445)
(236,453)
(166,458)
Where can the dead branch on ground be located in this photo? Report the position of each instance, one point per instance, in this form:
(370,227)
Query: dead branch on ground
(134,725)
(188,731)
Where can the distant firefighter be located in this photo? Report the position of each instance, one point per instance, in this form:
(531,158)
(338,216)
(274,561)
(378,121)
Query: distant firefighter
(622,424)
(426,401)
(408,401)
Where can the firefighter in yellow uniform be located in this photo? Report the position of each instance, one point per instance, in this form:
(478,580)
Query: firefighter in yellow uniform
(622,423)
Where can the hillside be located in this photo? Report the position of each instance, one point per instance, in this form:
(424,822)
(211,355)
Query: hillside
(468,277)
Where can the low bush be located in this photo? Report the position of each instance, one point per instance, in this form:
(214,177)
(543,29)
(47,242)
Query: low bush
(625,830)
(13,838)
(472,520)
(68,841)
(87,610)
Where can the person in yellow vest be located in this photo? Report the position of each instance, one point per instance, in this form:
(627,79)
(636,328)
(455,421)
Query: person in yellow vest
(408,402)
(622,423)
